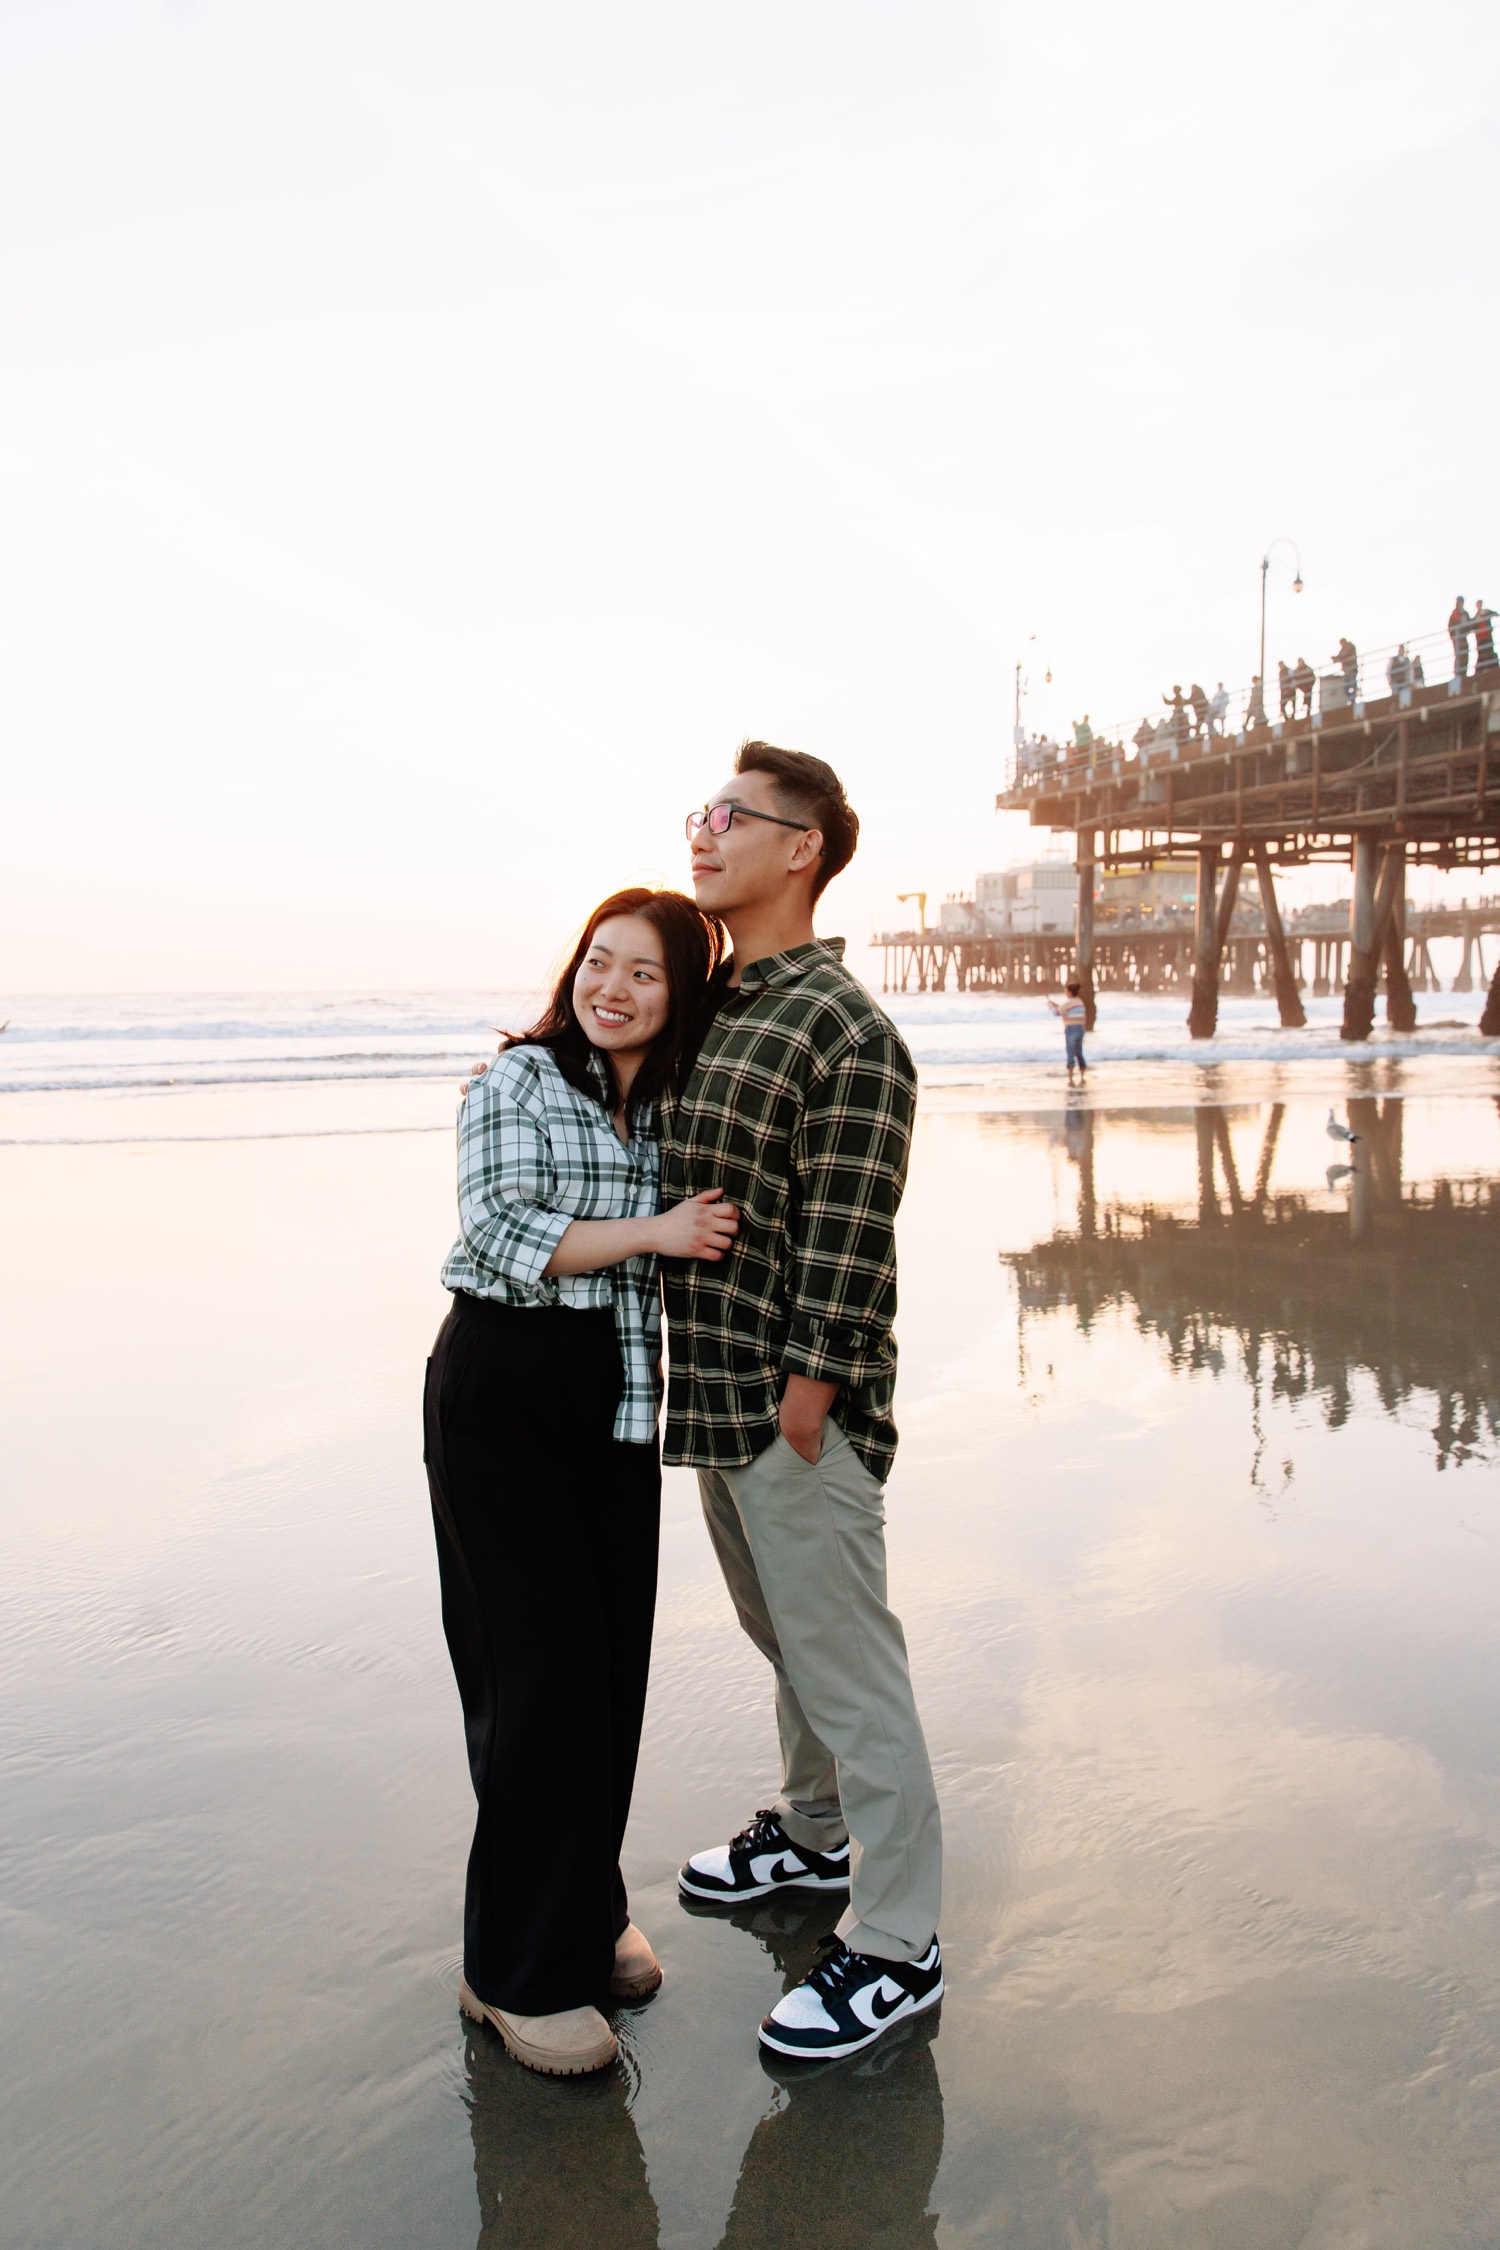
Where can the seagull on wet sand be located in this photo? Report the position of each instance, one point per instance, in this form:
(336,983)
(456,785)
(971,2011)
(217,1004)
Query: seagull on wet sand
(1338,1132)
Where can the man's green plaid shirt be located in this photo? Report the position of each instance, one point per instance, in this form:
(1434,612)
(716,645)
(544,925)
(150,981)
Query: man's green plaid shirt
(800,1107)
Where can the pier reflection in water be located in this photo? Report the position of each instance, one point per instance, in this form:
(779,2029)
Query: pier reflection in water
(1401,1286)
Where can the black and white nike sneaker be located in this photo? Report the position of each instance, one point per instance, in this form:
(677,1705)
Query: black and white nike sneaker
(850,2001)
(762,1859)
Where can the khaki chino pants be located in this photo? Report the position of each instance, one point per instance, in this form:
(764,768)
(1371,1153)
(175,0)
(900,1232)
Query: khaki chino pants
(802,1548)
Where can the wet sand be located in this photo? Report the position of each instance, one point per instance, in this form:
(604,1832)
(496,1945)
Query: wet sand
(1195,1532)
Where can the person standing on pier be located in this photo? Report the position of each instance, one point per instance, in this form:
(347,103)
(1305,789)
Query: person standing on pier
(1218,709)
(1483,629)
(783,1372)
(1346,656)
(1286,687)
(1460,625)
(1255,706)
(1304,680)
(1177,704)
(1075,1018)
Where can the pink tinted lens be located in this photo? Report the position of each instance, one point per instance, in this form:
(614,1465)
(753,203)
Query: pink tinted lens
(719,817)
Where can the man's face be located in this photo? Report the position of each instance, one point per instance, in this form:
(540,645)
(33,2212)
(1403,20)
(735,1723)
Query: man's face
(754,861)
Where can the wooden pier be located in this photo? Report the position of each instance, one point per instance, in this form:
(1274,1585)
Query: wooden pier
(1157,954)
(1405,779)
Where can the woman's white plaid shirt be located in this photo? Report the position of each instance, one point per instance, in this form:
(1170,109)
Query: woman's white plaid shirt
(533,1155)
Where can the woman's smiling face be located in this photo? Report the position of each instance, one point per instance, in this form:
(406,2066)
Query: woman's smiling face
(620,990)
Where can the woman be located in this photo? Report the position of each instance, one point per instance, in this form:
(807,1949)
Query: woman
(540,1416)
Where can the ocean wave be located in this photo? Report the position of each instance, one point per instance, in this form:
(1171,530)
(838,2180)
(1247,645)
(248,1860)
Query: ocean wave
(187,1080)
(178,1140)
(1289,1047)
(210,1032)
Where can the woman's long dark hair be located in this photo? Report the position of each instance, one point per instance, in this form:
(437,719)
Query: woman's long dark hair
(692,945)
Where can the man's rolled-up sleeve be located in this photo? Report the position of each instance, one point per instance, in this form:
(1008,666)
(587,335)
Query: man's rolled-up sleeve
(848,1171)
(507,1181)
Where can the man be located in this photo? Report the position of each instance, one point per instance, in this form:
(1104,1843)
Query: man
(1199,702)
(1459,625)
(1218,709)
(783,1369)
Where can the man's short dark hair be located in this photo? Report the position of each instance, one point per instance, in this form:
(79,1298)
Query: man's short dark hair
(809,791)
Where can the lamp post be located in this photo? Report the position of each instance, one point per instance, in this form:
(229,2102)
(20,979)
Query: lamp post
(1021,688)
(1265,572)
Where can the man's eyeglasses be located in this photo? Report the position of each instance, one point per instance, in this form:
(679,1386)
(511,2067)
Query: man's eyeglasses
(717,818)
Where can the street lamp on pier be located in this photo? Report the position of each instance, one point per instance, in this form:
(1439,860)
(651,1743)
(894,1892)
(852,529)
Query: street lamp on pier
(1265,572)
(1021,687)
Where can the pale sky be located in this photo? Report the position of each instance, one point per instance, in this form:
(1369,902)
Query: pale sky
(434,435)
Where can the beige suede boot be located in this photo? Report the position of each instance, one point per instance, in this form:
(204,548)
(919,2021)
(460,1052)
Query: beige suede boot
(566,2045)
(637,1971)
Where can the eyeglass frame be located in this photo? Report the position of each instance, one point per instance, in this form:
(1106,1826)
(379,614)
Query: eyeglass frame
(700,819)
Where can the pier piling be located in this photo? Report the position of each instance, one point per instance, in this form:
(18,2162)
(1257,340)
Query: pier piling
(1203,1015)
(1288,999)
(1400,1007)
(1087,861)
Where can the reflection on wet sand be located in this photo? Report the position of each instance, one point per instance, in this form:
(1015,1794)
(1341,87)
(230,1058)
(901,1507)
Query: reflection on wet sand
(1397,1285)
(845,2156)
(849,2154)
(557,2162)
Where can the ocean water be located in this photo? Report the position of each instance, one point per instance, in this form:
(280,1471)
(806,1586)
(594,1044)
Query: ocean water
(187,1066)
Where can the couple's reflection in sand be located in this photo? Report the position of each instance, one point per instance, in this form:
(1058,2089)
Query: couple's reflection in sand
(845,2156)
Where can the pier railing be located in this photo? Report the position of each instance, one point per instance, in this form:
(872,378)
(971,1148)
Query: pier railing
(1173,736)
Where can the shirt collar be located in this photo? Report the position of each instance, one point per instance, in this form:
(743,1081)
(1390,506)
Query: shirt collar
(640,1116)
(782,969)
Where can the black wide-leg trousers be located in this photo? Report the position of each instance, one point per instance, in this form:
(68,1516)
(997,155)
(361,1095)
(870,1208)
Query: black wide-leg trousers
(547,1534)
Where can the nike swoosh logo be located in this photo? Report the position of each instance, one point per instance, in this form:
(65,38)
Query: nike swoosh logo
(880,2007)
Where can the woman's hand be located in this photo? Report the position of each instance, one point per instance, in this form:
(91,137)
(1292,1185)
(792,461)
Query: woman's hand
(701,1226)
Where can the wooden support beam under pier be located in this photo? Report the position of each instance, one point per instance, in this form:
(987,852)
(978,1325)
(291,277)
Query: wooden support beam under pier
(1203,1015)
(1288,999)
(1400,1007)
(1084,955)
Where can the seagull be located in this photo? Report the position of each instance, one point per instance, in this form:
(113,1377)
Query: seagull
(1338,1132)
(1337,1172)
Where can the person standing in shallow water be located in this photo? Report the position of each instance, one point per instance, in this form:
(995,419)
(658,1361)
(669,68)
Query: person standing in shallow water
(1075,1018)
(540,1418)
